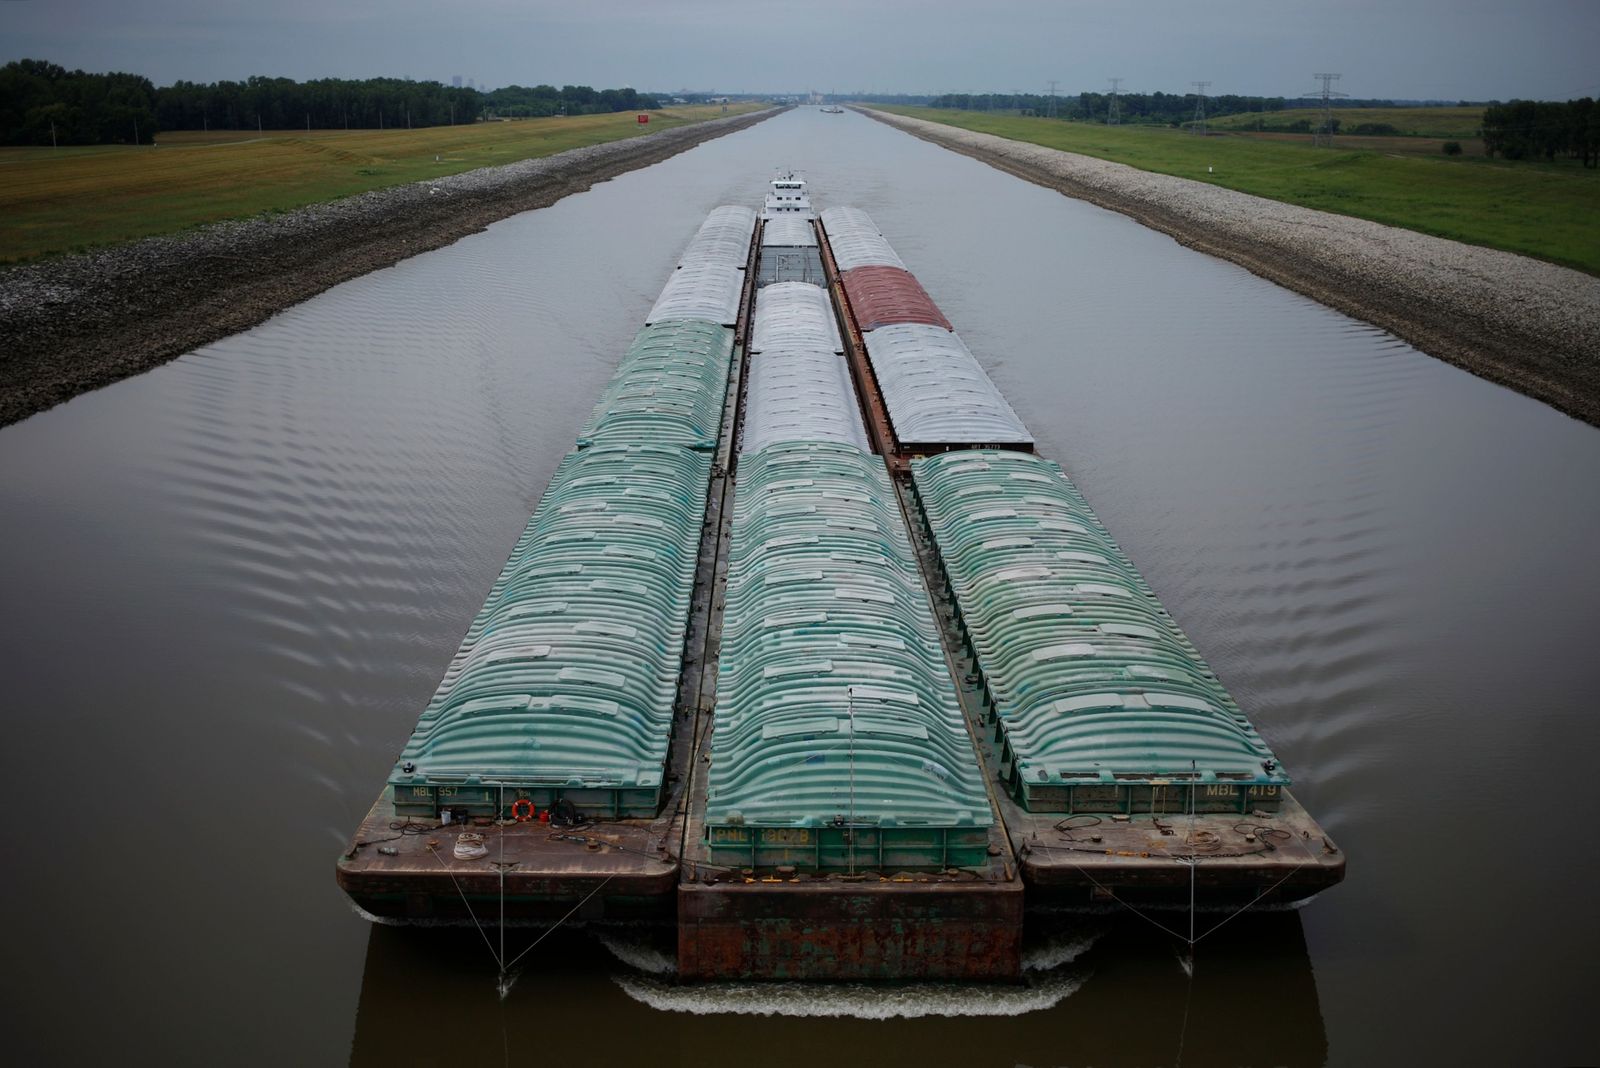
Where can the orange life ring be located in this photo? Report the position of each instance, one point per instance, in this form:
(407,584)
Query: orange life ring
(522,810)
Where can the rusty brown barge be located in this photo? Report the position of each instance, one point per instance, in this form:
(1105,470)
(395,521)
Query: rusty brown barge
(808,652)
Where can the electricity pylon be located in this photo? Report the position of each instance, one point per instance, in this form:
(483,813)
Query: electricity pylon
(1324,136)
(1199,124)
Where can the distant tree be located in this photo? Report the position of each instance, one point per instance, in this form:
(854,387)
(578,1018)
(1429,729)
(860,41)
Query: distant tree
(37,97)
(1452,148)
(1527,129)
(91,108)
(1154,108)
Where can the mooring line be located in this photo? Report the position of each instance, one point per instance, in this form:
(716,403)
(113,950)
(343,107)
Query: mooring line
(1188,998)
(1113,896)
(1157,923)
(558,923)
(1246,907)
(435,851)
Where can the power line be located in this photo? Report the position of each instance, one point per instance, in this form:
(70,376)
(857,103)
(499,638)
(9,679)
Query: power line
(1199,124)
(1324,136)
(1113,112)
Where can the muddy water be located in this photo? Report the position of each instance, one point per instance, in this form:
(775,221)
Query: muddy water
(230,585)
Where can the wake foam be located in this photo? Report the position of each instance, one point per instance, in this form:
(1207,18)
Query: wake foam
(861,1001)
(639,955)
(1059,949)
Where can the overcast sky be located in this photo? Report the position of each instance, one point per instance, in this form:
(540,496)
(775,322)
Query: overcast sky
(1408,49)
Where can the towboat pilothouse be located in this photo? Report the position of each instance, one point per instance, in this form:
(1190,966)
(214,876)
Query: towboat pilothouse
(788,196)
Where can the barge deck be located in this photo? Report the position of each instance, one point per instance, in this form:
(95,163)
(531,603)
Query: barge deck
(549,779)
(404,867)
(1169,850)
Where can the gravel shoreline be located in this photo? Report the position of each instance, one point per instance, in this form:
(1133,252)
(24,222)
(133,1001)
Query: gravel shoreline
(1526,324)
(74,324)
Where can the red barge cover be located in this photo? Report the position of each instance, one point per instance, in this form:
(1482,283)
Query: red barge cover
(880,296)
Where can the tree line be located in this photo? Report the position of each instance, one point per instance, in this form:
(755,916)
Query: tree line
(516,101)
(1531,129)
(42,103)
(324,103)
(1156,108)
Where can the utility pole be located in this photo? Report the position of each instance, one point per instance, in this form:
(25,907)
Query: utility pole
(1324,136)
(1199,125)
(52,135)
(1113,113)
(1053,83)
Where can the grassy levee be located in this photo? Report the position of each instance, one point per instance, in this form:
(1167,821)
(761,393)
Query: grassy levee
(1459,124)
(73,199)
(1550,211)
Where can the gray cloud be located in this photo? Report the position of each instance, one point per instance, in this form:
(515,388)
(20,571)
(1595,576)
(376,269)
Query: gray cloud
(1441,49)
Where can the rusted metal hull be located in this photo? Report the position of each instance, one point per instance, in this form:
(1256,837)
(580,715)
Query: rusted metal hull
(829,929)
(618,871)
(1234,861)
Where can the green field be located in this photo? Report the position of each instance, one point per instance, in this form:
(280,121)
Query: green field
(1454,124)
(1548,210)
(73,199)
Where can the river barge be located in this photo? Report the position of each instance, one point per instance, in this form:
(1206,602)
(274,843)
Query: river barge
(547,776)
(809,652)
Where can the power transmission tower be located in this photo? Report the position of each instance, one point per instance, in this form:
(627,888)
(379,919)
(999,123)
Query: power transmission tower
(1324,136)
(1053,83)
(1113,113)
(1199,124)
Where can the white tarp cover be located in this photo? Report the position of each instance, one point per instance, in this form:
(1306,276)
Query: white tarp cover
(724,238)
(936,391)
(788,231)
(707,292)
(846,217)
(800,395)
(856,240)
(795,315)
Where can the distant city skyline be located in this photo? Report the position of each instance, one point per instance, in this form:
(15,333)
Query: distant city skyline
(1402,49)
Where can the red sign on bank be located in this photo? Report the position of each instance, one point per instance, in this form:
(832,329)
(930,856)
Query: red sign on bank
(643,119)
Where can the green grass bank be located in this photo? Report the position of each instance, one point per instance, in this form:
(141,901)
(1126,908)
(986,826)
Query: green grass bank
(1550,211)
(75,199)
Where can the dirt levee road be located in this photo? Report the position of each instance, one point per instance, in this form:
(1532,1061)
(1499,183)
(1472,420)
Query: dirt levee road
(74,324)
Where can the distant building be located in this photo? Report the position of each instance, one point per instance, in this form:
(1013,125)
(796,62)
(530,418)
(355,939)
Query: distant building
(455,80)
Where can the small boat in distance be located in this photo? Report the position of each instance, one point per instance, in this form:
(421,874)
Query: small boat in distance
(833,109)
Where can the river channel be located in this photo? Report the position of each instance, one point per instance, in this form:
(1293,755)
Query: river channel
(230,585)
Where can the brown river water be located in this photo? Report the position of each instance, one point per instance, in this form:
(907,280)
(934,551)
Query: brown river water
(231,584)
